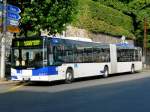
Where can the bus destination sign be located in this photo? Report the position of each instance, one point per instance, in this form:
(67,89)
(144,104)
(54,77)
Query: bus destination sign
(28,43)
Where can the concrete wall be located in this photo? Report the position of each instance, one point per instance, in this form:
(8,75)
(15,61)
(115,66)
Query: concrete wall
(75,32)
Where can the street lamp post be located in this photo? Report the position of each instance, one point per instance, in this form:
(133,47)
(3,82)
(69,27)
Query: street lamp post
(3,40)
(145,41)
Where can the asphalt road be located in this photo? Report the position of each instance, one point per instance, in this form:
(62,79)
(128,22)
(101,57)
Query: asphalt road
(124,93)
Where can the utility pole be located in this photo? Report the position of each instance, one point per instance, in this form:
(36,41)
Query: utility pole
(145,40)
(3,41)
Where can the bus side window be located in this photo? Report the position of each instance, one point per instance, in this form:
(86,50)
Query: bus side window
(50,56)
(57,54)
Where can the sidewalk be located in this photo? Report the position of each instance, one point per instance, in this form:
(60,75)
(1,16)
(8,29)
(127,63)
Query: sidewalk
(146,69)
(7,81)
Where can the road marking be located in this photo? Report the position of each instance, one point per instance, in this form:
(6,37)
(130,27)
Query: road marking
(14,88)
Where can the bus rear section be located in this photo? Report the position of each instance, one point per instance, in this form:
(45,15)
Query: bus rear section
(125,58)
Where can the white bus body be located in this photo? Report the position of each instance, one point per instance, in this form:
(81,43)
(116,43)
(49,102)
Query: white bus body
(78,70)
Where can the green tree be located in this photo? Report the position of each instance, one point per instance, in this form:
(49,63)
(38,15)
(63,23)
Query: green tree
(138,10)
(50,15)
(100,18)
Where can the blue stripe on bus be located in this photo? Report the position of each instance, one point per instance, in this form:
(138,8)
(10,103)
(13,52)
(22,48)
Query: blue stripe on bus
(45,71)
(19,71)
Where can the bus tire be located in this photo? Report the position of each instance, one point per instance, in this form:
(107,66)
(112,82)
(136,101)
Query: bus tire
(69,76)
(106,72)
(132,69)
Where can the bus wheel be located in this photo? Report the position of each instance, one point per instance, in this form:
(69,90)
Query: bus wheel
(132,69)
(106,72)
(69,76)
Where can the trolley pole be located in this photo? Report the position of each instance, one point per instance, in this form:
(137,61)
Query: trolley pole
(3,41)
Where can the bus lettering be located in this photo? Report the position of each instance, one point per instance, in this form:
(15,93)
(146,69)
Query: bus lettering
(32,43)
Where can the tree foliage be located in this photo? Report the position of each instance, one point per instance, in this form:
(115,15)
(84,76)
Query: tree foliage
(113,17)
(99,18)
(50,15)
(138,10)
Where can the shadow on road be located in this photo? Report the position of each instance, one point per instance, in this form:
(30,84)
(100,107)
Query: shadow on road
(131,96)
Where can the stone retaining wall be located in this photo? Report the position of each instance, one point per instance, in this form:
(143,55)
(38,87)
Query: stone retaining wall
(76,32)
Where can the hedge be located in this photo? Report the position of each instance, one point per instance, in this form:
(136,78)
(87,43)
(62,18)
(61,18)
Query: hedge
(99,18)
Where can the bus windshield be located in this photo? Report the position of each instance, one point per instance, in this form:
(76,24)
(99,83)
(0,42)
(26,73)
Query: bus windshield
(29,57)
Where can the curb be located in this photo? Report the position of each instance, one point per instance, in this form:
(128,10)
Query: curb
(146,70)
(8,82)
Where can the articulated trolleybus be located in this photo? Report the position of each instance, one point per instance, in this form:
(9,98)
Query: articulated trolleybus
(51,59)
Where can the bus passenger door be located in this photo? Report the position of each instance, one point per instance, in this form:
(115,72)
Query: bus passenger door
(113,58)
